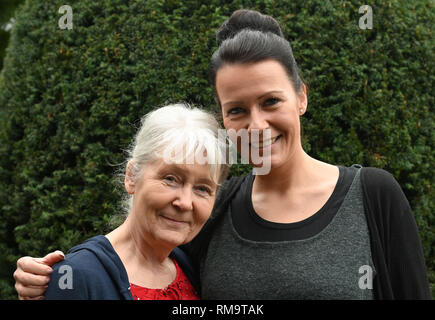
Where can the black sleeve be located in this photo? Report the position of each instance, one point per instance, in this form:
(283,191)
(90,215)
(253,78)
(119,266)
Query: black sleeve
(398,235)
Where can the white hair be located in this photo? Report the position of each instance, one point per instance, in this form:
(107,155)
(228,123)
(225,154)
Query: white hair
(178,133)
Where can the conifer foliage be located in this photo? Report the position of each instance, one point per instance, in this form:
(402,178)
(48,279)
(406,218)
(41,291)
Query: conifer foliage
(70,101)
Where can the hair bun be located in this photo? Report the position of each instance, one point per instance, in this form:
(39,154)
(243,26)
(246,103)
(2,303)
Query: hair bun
(247,19)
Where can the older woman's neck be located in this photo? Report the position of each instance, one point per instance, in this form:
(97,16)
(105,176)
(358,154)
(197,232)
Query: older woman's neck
(133,246)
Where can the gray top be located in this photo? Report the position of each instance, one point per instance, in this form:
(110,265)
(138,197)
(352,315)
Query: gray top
(336,263)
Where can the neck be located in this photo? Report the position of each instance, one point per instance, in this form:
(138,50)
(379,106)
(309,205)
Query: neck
(136,248)
(291,175)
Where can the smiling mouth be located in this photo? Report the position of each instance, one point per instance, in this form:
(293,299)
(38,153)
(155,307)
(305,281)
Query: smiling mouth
(266,143)
(173,221)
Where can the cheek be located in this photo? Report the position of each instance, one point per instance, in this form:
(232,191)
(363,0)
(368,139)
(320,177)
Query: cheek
(288,120)
(236,123)
(235,138)
(155,198)
(228,124)
(203,212)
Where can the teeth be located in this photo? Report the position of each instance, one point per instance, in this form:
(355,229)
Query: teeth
(267,143)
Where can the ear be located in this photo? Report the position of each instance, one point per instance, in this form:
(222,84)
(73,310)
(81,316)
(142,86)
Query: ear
(303,99)
(129,181)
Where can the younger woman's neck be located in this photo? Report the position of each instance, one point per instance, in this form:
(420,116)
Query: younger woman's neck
(292,174)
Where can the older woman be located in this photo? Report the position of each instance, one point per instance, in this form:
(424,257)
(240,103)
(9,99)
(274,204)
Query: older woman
(306,229)
(170,200)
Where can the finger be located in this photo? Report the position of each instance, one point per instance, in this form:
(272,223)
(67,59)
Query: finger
(31,298)
(25,293)
(53,257)
(30,279)
(31,265)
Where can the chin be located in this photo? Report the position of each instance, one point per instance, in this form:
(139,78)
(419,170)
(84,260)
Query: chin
(275,162)
(174,238)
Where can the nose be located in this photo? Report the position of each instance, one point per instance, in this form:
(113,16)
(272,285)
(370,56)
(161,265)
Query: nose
(257,120)
(184,199)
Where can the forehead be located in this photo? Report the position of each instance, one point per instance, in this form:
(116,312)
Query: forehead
(238,79)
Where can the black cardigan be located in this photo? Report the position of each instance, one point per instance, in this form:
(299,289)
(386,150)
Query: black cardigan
(395,242)
(396,247)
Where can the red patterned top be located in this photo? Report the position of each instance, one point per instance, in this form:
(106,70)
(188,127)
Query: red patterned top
(179,289)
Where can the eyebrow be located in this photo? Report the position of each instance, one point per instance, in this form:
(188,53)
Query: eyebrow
(208,182)
(265,94)
(182,171)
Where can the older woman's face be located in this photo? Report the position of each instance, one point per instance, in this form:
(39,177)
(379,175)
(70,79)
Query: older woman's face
(171,202)
(260,96)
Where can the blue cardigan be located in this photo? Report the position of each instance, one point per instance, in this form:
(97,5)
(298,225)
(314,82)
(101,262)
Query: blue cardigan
(94,271)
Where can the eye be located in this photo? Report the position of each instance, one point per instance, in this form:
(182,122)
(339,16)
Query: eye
(171,180)
(204,190)
(234,111)
(271,101)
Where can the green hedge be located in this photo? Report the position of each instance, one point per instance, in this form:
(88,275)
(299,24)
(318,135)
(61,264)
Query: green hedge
(7,8)
(70,101)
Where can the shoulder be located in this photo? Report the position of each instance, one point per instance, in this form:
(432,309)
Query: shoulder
(81,271)
(70,277)
(83,261)
(229,187)
(225,193)
(90,256)
(379,182)
(383,195)
(231,183)
(376,175)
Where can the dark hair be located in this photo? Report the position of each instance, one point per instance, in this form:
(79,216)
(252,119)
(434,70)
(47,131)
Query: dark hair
(249,36)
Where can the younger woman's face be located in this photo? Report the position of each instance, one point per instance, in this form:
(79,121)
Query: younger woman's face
(260,96)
